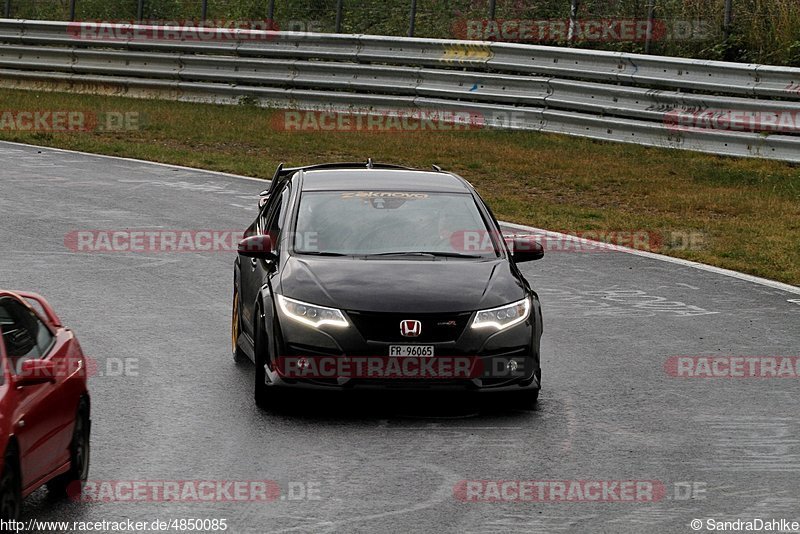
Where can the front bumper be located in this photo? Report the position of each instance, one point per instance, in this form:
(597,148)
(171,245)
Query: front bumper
(501,361)
(430,385)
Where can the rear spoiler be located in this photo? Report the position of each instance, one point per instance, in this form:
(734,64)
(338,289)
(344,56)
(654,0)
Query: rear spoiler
(282,171)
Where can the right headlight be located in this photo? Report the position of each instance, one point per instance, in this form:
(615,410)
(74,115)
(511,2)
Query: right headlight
(311,314)
(503,317)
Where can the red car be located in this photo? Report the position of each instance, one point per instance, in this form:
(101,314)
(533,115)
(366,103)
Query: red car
(44,402)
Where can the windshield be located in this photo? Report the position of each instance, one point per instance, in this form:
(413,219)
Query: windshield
(386,223)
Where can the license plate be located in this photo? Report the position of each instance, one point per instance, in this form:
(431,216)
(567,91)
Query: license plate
(420,351)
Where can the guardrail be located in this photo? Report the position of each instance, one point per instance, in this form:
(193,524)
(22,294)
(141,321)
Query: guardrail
(708,106)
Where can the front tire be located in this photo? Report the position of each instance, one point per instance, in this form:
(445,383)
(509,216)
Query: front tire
(528,399)
(80,447)
(10,488)
(238,354)
(266,397)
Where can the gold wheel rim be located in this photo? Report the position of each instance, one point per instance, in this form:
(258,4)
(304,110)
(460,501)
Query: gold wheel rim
(235,322)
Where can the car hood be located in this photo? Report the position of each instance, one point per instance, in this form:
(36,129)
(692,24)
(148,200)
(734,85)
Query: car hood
(401,286)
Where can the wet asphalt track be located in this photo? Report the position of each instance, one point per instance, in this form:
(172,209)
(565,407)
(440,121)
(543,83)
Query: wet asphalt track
(609,411)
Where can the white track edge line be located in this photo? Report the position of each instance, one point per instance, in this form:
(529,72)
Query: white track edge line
(597,244)
(134,160)
(643,253)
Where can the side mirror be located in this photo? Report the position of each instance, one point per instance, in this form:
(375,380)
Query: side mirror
(34,372)
(527,249)
(257,246)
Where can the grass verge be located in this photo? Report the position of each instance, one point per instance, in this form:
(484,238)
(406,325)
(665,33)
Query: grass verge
(747,210)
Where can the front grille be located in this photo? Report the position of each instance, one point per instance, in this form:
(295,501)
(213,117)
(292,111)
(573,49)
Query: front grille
(385,327)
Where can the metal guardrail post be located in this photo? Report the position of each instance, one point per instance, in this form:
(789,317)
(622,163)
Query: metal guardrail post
(728,18)
(651,6)
(140,11)
(413,17)
(204,11)
(72,10)
(492,9)
(271,13)
(573,20)
(339,7)
(7,10)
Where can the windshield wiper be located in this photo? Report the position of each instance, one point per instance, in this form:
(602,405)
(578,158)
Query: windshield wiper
(430,254)
(320,253)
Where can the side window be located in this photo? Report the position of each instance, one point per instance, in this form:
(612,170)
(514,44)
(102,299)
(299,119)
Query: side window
(24,335)
(263,217)
(273,219)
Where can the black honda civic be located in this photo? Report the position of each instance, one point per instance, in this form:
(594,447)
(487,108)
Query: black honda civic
(367,275)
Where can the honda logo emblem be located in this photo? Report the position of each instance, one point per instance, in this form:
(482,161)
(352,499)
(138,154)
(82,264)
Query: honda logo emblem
(410,328)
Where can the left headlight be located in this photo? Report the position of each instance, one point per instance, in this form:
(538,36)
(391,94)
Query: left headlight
(311,314)
(504,316)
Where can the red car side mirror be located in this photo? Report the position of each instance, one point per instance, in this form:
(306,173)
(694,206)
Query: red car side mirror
(34,372)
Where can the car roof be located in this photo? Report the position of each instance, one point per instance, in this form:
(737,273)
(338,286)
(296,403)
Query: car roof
(383,180)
